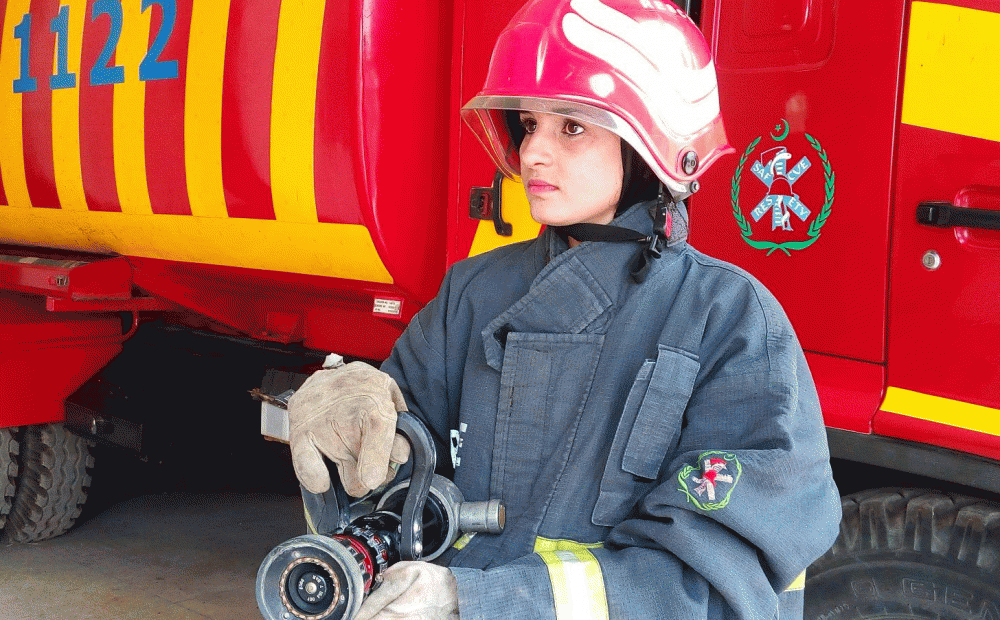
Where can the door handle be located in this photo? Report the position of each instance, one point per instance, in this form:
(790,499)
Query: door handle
(945,215)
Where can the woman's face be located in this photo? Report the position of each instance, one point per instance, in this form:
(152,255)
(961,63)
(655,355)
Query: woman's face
(572,171)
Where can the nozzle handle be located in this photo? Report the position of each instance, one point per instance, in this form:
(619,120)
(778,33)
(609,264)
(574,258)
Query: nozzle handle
(424,461)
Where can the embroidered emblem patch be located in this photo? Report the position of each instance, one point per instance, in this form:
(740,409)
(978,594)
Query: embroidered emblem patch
(710,487)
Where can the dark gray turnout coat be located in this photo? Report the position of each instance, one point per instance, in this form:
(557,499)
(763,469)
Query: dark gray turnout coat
(658,446)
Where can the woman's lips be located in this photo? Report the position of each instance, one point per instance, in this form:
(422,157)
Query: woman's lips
(540,187)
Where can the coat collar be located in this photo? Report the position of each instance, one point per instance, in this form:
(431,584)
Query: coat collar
(577,290)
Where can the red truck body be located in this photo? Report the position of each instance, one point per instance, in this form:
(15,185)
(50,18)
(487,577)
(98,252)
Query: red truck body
(297,173)
(861,90)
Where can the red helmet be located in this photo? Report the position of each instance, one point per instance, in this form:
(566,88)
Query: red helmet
(638,68)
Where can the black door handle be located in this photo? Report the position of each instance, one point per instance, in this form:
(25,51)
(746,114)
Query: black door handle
(945,214)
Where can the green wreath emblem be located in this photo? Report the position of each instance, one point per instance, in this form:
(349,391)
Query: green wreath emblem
(814,227)
(687,470)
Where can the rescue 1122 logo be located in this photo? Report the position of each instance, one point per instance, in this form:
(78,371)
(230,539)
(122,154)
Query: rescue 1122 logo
(785,192)
(711,486)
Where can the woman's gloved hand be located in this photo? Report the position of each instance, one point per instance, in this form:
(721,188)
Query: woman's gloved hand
(347,414)
(413,591)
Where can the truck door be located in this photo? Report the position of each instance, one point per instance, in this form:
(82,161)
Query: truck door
(943,372)
(809,91)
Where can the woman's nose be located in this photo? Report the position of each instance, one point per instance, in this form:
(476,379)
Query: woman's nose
(536,149)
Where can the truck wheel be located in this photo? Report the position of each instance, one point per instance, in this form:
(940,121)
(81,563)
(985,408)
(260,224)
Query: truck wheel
(910,554)
(8,471)
(53,484)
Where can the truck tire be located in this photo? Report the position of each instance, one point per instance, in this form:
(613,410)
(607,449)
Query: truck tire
(53,483)
(910,554)
(8,471)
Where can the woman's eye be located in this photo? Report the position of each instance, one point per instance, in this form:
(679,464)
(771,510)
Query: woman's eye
(573,129)
(529,124)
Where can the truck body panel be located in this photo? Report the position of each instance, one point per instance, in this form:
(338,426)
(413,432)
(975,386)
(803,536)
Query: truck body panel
(272,139)
(944,317)
(821,83)
(47,356)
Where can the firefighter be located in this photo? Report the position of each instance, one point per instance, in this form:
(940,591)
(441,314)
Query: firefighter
(644,411)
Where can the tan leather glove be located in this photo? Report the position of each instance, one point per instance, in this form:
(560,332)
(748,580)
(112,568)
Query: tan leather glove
(347,414)
(414,591)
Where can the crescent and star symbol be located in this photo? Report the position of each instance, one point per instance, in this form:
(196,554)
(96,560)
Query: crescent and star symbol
(783,134)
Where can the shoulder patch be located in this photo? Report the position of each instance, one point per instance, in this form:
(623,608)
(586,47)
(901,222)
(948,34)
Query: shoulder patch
(710,484)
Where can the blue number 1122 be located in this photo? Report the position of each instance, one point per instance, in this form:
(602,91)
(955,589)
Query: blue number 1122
(103,72)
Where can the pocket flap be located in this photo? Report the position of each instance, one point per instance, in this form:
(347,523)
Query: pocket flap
(658,422)
(647,432)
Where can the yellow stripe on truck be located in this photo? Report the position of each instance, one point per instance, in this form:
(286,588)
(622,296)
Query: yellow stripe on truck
(293,110)
(577,582)
(129,112)
(203,108)
(952,76)
(333,250)
(942,410)
(66,118)
(15,183)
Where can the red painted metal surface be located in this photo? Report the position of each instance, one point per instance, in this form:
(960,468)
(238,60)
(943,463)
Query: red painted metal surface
(338,195)
(830,70)
(403,155)
(47,356)
(477,25)
(133,305)
(246,108)
(849,391)
(944,327)
(72,279)
(381,160)
(325,314)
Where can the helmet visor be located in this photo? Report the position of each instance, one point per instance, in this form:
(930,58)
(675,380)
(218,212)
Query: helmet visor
(485,116)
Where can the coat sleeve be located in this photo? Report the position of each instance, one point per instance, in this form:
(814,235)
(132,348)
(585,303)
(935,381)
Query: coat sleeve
(736,513)
(419,364)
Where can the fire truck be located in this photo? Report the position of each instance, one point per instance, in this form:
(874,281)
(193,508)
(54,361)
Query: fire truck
(287,179)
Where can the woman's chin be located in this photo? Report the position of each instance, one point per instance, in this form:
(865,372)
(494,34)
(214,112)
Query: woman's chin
(549,219)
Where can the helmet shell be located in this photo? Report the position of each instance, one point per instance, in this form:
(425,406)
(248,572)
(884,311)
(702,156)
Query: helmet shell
(639,68)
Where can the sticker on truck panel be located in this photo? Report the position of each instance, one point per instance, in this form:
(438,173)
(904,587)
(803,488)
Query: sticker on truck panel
(785,202)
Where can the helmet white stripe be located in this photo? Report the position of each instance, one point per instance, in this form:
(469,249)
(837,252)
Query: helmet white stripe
(655,57)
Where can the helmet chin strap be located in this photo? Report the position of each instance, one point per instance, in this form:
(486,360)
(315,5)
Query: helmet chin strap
(650,245)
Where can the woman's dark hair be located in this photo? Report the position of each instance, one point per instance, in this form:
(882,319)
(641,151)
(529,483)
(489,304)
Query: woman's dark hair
(639,182)
(512,118)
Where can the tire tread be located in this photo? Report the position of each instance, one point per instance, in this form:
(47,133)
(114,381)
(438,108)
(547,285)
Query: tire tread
(53,485)
(9,449)
(961,528)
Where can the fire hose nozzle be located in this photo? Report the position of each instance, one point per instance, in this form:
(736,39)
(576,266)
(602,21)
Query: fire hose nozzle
(488,516)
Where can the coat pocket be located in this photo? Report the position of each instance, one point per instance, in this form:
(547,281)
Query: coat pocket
(544,383)
(647,433)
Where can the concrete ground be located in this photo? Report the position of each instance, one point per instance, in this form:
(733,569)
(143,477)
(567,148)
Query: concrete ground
(157,541)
